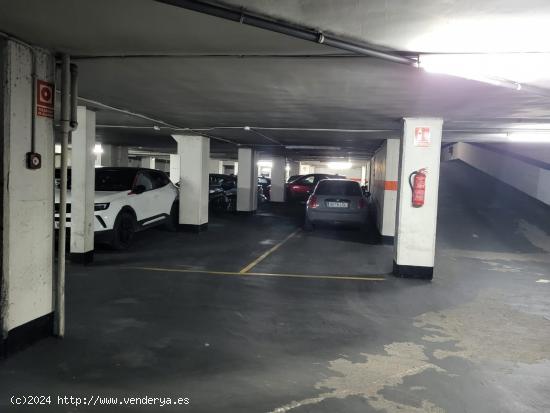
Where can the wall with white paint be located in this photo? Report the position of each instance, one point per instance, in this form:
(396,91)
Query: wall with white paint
(537,151)
(354,173)
(27,253)
(529,178)
(384,176)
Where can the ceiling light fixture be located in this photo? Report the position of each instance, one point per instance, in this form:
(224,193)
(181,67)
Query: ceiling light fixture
(529,137)
(460,66)
(510,70)
(246,128)
(156,127)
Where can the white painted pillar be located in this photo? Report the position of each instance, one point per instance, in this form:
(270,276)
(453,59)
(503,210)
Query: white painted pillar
(278,175)
(294,169)
(27,198)
(247,182)
(363,175)
(215,166)
(175,168)
(114,155)
(416,226)
(194,154)
(148,162)
(121,156)
(82,187)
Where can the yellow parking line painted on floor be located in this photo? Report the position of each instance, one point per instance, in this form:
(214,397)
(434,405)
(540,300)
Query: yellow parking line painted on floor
(261,274)
(267,253)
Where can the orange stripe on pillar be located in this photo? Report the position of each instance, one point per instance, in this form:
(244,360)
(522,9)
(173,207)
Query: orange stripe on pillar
(390,185)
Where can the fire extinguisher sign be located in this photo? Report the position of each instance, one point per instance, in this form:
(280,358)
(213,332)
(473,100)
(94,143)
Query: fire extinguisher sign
(44,99)
(422,137)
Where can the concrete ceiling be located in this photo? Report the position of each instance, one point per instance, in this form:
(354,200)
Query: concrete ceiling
(196,71)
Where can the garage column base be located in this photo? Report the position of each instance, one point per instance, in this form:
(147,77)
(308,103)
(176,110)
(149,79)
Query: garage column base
(196,229)
(23,336)
(413,271)
(83,258)
(387,240)
(245,213)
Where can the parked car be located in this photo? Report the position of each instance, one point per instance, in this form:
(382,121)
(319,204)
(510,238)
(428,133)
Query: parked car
(229,185)
(336,201)
(127,200)
(265,183)
(293,178)
(300,189)
(220,189)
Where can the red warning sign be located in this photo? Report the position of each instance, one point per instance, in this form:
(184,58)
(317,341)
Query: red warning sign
(44,98)
(422,137)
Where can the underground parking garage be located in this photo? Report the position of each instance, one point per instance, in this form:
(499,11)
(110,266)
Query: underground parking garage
(274,206)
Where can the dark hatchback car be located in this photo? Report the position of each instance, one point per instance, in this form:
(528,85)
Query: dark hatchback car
(300,189)
(340,201)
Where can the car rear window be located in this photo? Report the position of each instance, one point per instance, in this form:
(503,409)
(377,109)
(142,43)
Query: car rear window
(338,188)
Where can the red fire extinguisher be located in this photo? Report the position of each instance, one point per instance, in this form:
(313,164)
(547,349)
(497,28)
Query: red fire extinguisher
(418,187)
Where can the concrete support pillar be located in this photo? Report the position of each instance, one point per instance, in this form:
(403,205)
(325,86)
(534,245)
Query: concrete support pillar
(148,162)
(416,226)
(247,182)
(215,166)
(26,197)
(293,169)
(82,187)
(175,168)
(278,175)
(363,175)
(194,154)
(114,155)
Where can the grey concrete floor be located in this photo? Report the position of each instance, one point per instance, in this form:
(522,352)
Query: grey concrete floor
(476,339)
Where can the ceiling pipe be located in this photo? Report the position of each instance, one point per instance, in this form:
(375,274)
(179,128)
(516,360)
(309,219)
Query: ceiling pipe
(289,29)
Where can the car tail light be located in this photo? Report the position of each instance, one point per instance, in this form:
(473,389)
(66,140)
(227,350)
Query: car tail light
(312,202)
(361,204)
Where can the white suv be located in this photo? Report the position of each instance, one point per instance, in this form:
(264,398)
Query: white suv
(128,200)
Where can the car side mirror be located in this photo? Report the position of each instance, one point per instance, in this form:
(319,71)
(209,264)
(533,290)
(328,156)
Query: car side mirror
(139,189)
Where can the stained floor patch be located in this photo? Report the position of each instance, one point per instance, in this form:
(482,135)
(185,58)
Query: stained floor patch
(369,378)
(477,327)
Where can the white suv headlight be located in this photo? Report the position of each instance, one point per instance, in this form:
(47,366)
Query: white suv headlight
(101,206)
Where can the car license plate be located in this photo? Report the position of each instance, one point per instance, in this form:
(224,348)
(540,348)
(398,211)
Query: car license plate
(332,204)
